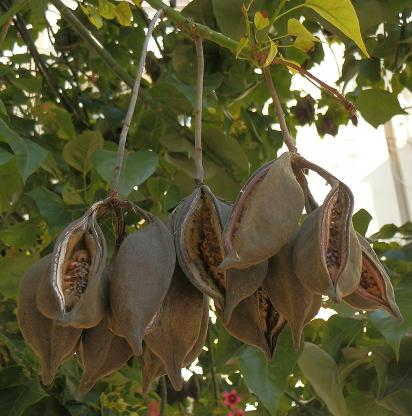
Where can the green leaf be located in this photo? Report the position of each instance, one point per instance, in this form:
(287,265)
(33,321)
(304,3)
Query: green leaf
(77,152)
(29,155)
(243,42)
(137,167)
(11,185)
(93,15)
(273,50)
(124,14)
(304,39)
(71,196)
(33,85)
(268,379)
(52,208)
(391,329)
(321,371)
(387,231)
(4,156)
(363,404)
(400,402)
(23,235)
(342,15)
(378,106)
(261,20)
(361,220)
(107,9)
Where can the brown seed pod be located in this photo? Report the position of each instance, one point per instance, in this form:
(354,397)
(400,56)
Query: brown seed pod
(375,289)
(291,299)
(101,353)
(326,253)
(75,291)
(178,329)
(142,272)
(256,322)
(197,227)
(265,215)
(51,342)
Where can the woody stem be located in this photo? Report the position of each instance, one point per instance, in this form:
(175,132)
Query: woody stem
(126,124)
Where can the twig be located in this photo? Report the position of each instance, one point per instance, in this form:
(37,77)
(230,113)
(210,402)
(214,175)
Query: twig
(199,172)
(5,30)
(163,396)
(135,92)
(212,367)
(287,138)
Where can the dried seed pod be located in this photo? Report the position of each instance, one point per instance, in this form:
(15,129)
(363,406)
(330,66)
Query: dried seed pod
(375,289)
(197,227)
(326,253)
(291,299)
(101,353)
(265,215)
(75,291)
(178,329)
(256,322)
(51,342)
(142,272)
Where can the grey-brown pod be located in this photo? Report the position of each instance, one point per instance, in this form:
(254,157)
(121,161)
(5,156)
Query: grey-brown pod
(375,289)
(256,322)
(75,292)
(197,227)
(101,353)
(291,299)
(178,329)
(51,342)
(327,255)
(142,272)
(265,215)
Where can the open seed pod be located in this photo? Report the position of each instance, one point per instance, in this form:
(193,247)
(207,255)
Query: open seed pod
(142,272)
(75,291)
(265,215)
(256,322)
(291,299)
(178,329)
(326,253)
(101,353)
(51,342)
(375,289)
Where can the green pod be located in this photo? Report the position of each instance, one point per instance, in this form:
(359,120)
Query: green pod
(291,299)
(256,322)
(178,329)
(101,353)
(75,292)
(327,255)
(375,289)
(265,215)
(142,272)
(51,342)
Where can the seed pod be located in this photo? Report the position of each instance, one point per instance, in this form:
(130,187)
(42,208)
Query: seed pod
(265,215)
(197,226)
(178,328)
(375,289)
(326,253)
(291,299)
(101,353)
(51,342)
(75,291)
(142,272)
(256,322)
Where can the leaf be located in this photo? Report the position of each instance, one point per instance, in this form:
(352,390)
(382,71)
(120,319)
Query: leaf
(392,330)
(52,208)
(273,50)
(341,14)
(77,152)
(71,196)
(400,402)
(378,106)
(107,9)
(23,235)
(11,185)
(124,14)
(387,231)
(4,156)
(304,39)
(361,220)
(93,15)
(29,155)
(268,379)
(363,404)
(137,167)
(243,42)
(260,20)
(48,406)
(321,371)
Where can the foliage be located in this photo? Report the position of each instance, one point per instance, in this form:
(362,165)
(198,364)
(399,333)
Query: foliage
(60,119)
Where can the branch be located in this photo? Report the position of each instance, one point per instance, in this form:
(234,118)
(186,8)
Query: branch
(212,366)
(135,92)
(287,138)
(199,172)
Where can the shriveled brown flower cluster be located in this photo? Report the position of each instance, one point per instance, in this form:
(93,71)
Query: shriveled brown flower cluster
(263,267)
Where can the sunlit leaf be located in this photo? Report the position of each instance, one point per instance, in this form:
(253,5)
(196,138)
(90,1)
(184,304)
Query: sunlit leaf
(260,20)
(124,14)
